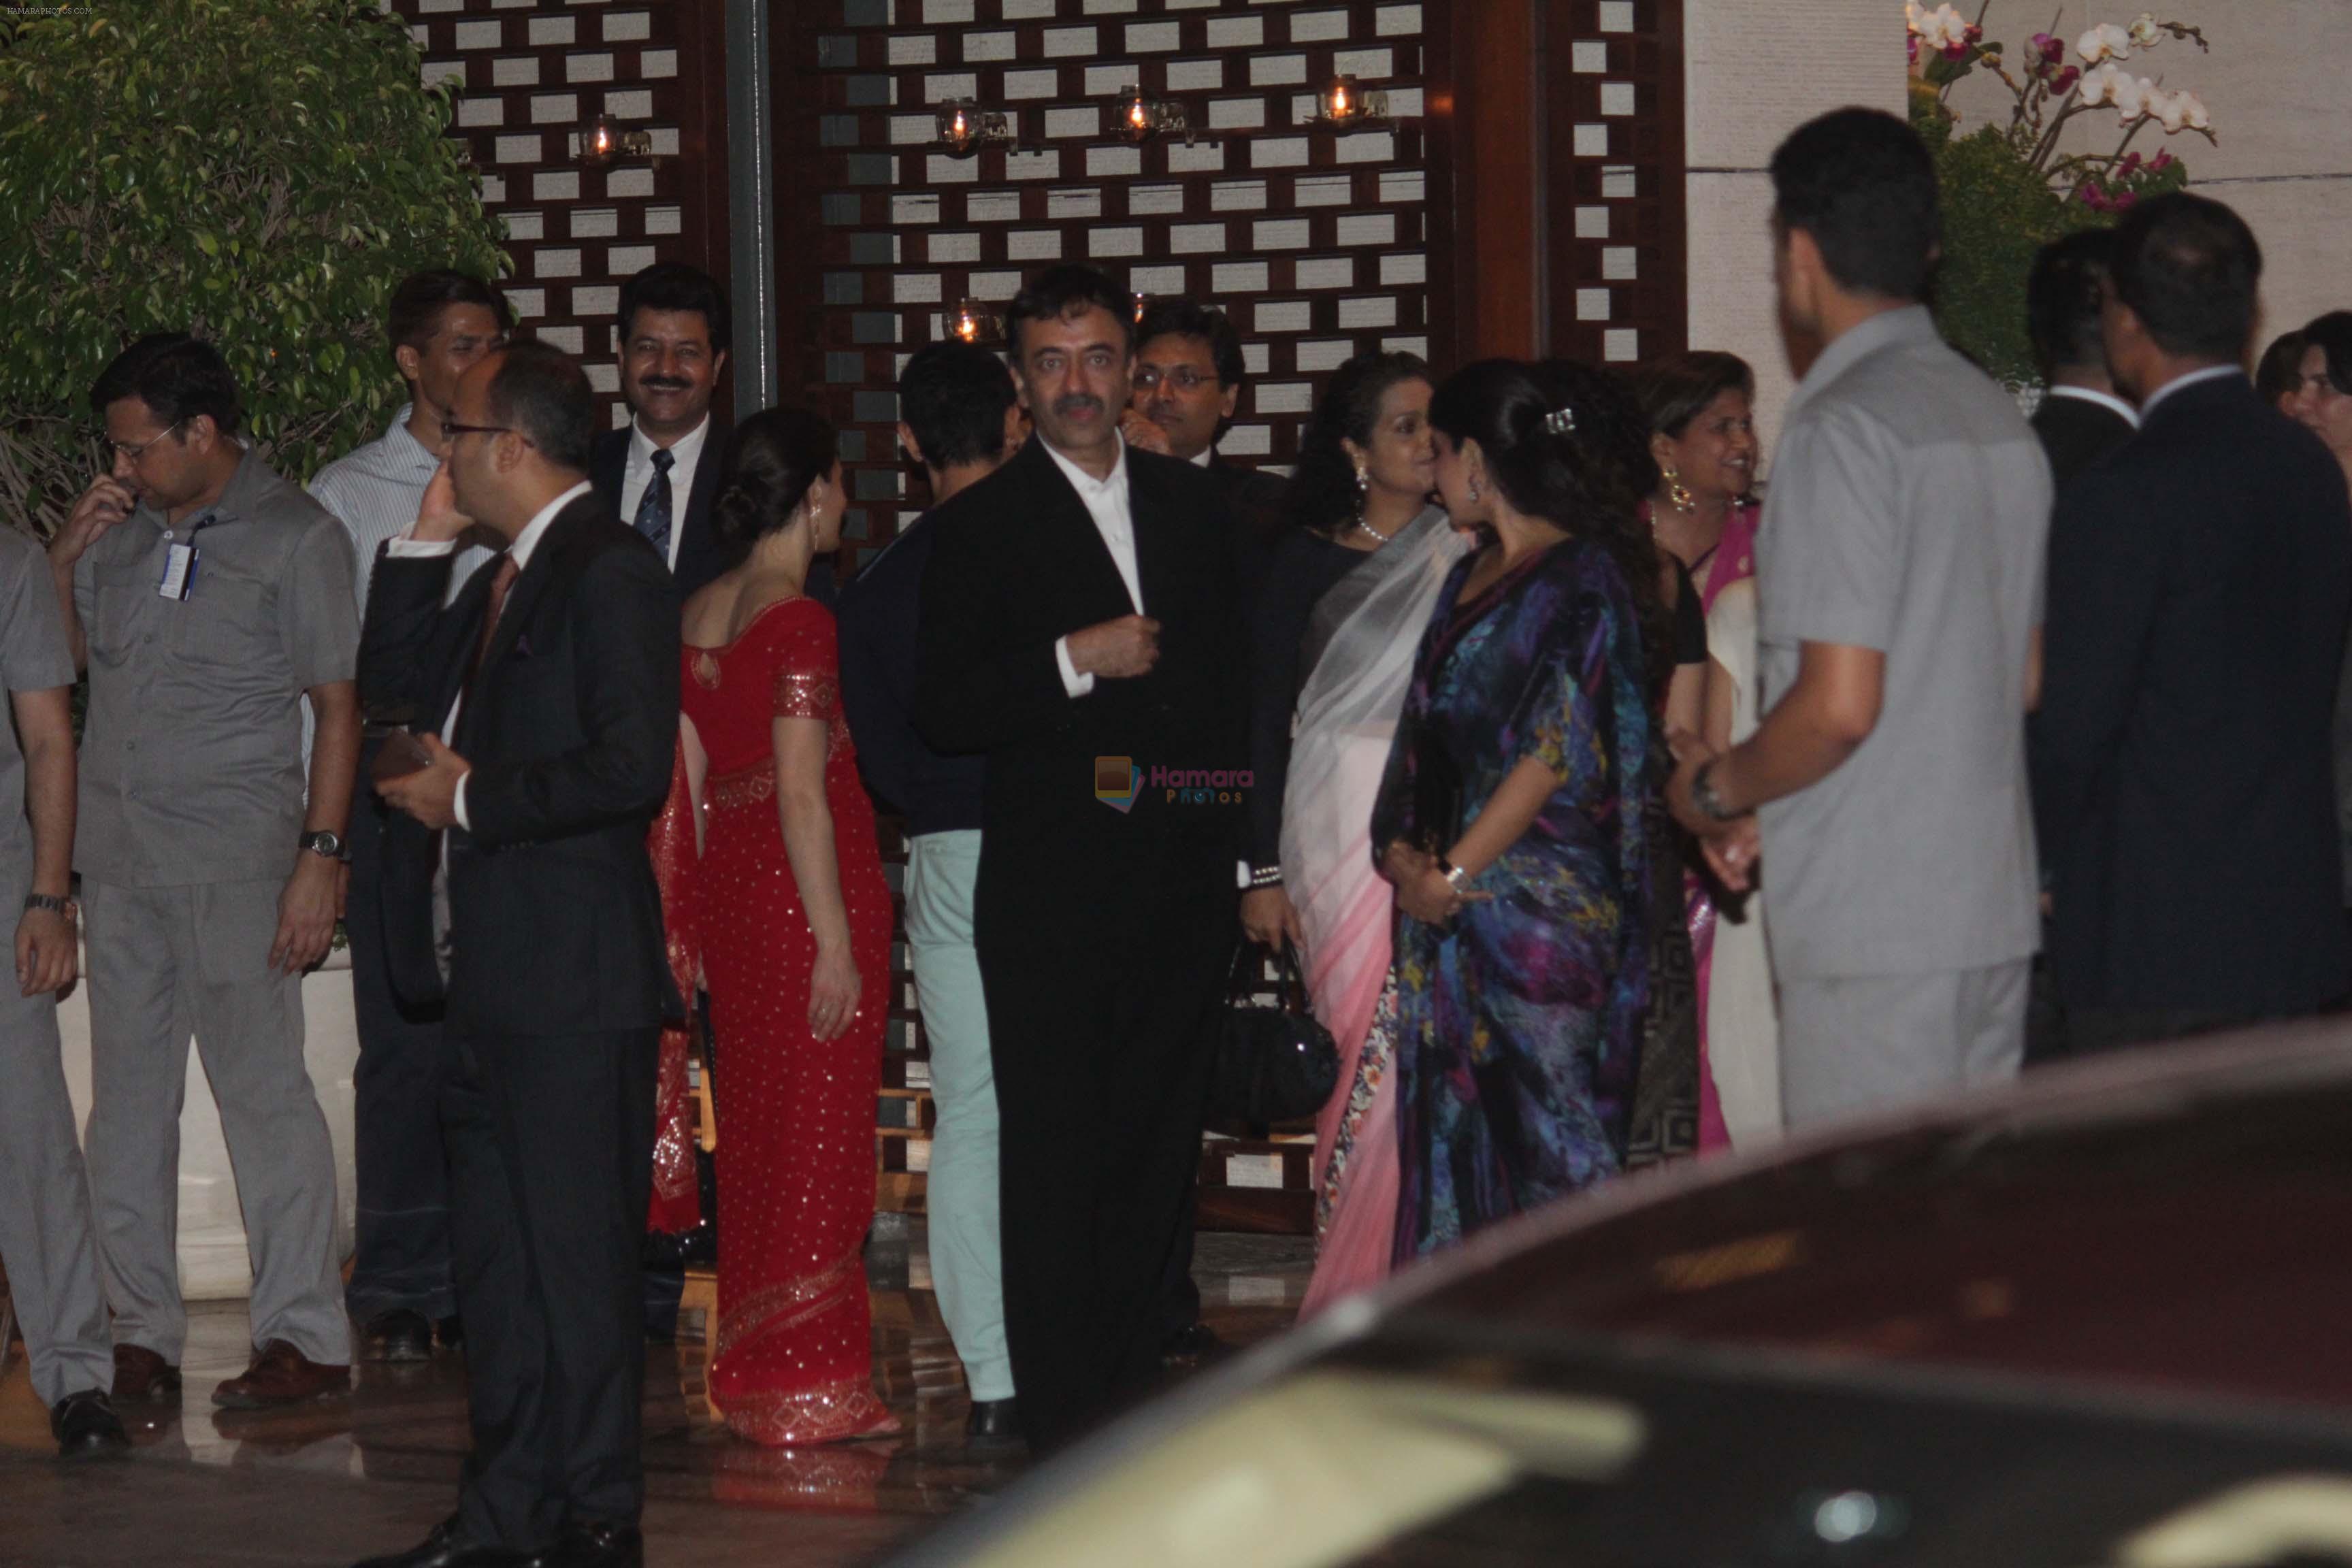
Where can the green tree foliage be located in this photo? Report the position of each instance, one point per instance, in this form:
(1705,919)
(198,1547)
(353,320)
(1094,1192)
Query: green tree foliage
(257,172)
(1998,211)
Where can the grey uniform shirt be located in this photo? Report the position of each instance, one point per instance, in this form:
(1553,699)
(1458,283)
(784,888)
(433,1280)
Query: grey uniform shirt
(33,658)
(191,751)
(1908,511)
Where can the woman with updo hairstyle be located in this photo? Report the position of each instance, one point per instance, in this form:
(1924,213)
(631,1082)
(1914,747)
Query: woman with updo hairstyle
(792,918)
(1511,819)
(1337,620)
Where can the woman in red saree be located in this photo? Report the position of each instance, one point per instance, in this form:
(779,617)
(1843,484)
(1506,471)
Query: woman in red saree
(791,915)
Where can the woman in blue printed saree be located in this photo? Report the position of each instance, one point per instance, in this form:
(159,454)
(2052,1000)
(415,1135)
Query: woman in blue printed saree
(1510,817)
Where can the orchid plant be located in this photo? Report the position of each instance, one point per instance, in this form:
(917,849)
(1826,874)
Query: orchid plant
(2049,89)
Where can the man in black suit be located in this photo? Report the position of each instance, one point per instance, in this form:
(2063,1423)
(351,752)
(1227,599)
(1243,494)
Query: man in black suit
(2080,421)
(1188,384)
(660,471)
(2081,418)
(2201,577)
(554,679)
(1080,628)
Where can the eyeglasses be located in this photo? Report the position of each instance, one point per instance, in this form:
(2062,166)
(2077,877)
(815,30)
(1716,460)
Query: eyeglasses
(451,430)
(1183,378)
(133,453)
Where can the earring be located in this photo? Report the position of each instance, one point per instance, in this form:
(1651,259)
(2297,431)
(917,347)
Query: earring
(1474,491)
(1363,487)
(1679,493)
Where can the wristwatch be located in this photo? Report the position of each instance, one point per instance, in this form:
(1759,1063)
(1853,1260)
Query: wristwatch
(1701,791)
(324,843)
(1455,877)
(51,902)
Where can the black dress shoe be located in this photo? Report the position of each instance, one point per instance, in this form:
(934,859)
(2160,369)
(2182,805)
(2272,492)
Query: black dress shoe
(992,1423)
(595,1544)
(399,1335)
(84,1424)
(448,1548)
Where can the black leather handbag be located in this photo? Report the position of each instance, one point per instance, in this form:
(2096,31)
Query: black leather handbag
(1271,1063)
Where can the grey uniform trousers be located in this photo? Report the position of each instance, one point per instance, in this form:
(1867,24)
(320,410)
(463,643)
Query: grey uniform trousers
(45,1231)
(164,962)
(1850,1046)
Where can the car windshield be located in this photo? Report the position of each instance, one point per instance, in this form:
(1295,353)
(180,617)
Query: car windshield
(1452,1453)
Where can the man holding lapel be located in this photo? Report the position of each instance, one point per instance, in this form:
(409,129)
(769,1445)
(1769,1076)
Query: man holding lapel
(552,684)
(1080,620)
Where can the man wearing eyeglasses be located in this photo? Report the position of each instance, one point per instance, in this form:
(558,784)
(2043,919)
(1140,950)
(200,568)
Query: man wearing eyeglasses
(207,597)
(437,325)
(1187,383)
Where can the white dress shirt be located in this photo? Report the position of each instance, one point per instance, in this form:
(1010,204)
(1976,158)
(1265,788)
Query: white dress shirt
(1106,503)
(2210,373)
(411,548)
(2106,400)
(685,455)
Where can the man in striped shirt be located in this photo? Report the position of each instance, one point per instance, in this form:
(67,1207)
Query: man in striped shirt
(439,324)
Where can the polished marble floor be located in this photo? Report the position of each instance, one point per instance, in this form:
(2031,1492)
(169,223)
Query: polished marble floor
(327,1483)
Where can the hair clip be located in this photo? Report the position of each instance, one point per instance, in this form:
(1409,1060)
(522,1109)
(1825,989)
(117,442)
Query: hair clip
(1560,421)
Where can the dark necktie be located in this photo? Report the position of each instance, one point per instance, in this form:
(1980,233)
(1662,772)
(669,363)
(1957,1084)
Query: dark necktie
(500,585)
(653,506)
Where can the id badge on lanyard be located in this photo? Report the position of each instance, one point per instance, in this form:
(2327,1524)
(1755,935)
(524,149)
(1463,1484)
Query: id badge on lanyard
(180,566)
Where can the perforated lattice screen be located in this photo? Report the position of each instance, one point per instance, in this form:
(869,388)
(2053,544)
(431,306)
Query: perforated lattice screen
(1312,240)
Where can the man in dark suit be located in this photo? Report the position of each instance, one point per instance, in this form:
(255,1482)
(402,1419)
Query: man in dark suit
(2201,577)
(1080,628)
(2080,421)
(2081,418)
(554,679)
(1188,384)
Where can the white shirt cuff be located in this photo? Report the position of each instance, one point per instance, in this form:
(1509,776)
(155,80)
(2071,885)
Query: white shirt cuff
(406,549)
(1074,683)
(458,806)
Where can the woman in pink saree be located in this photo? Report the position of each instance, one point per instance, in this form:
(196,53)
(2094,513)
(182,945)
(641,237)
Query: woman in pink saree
(1703,436)
(1358,655)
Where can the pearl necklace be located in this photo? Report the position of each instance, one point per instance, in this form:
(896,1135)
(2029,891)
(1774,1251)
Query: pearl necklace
(1375,532)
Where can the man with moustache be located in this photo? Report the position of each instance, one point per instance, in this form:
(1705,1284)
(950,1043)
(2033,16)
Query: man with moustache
(438,324)
(661,470)
(1080,627)
(550,688)
(208,598)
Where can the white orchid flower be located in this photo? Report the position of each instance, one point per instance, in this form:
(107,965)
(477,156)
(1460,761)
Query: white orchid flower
(2131,95)
(1914,14)
(2193,113)
(2098,86)
(2106,41)
(2144,31)
(1941,27)
(2167,108)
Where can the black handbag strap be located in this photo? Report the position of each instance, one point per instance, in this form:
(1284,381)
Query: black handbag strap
(1290,981)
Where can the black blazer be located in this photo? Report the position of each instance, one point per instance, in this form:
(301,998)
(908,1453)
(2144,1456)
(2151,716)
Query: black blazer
(571,727)
(2201,577)
(1017,563)
(2076,433)
(697,553)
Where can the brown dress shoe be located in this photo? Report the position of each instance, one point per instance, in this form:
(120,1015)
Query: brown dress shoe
(280,1374)
(142,1377)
